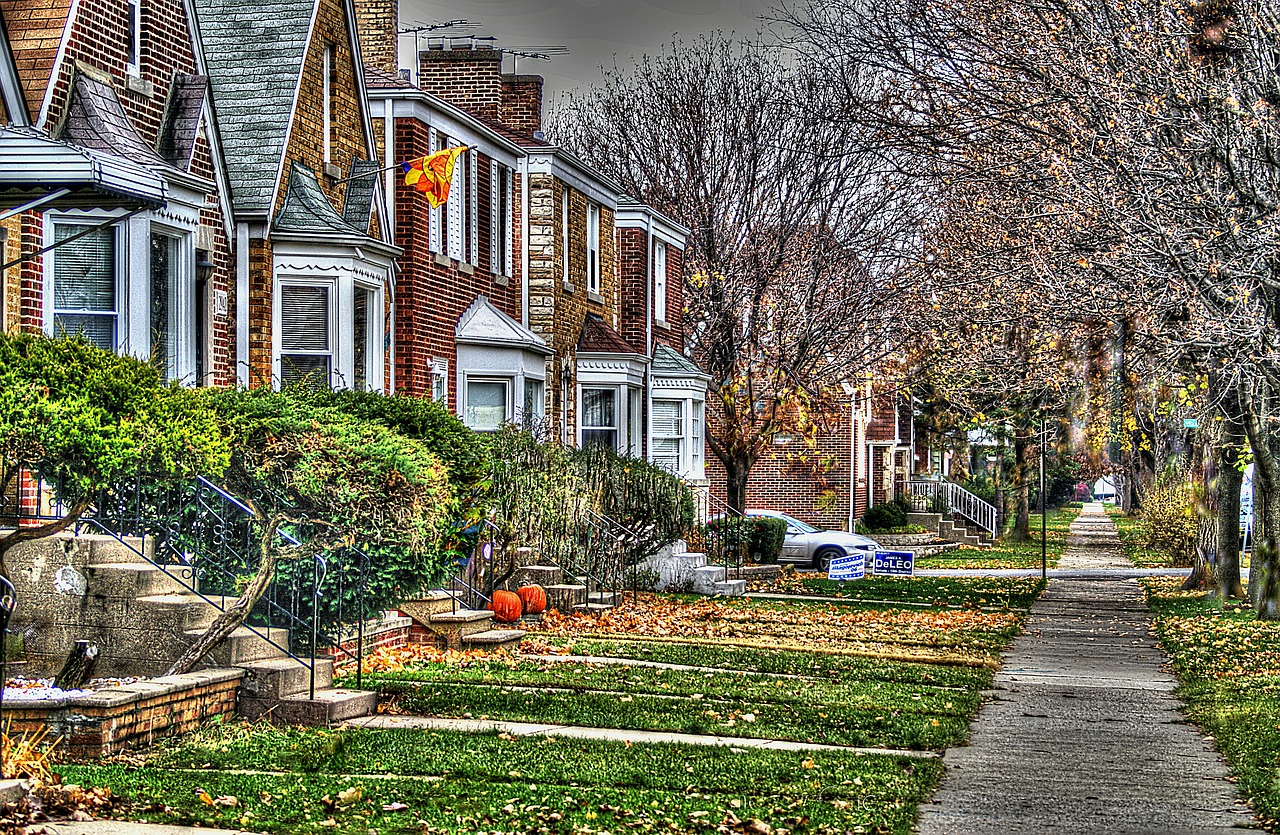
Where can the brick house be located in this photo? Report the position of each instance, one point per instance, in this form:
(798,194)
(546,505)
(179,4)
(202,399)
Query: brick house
(125,238)
(313,259)
(538,291)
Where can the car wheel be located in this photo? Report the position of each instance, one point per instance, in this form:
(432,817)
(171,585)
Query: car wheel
(822,559)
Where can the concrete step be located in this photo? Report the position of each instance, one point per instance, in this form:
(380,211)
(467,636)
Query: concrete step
(452,627)
(431,603)
(245,645)
(612,598)
(691,560)
(278,678)
(704,579)
(494,639)
(138,579)
(109,549)
(188,611)
(460,616)
(731,588)
(328,707)
(565,597)
(539,575)
(593,608)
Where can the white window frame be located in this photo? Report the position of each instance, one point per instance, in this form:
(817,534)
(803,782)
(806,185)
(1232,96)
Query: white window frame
(593,248)
(465,397)
(660,281)
(86,220)
(682,434)
(473,207)
(539,401)
(373,375)
(500,220)
(133,63)
(455,230)
(440,376)
(278,352)
(619,413)
(435,215)
(182,302)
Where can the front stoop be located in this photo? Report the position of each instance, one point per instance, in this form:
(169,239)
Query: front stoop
(508,639)
(456,628)
(328,707)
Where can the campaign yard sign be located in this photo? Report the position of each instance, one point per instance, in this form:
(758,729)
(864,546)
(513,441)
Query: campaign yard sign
(850,567)
(894,563)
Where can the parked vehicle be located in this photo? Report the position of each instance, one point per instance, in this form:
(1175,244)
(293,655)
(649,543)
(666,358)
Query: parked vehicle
(806,544)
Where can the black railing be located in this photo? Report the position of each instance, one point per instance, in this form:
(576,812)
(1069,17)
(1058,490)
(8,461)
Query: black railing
(205,539)
(720,533)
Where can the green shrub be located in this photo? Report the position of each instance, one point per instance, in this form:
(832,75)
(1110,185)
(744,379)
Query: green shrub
(760,537)
(422,419)
(884,517)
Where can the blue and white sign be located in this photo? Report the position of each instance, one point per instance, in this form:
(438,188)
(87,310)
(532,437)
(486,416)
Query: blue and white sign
(850,567)
(894,563)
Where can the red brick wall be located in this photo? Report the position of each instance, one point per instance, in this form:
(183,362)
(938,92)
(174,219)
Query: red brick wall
(633,285)
(430,297)
(468,78)
(883,416)
(673,335)
(811,482)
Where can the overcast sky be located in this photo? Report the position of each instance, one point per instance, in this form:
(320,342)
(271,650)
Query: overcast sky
(593,30)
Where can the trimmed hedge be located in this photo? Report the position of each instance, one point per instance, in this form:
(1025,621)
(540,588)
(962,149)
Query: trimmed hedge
(761,535)
(884,517)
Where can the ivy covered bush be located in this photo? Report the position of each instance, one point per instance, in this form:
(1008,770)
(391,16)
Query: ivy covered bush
(884,517)
(759,537)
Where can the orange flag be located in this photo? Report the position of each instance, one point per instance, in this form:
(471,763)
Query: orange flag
(433,174)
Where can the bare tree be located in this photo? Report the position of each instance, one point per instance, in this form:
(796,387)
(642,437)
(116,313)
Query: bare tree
(799,228)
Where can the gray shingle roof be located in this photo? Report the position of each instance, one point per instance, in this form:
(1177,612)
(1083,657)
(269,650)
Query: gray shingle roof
(670,363)
(357,202)
(254,52)
(96,120)
(182,119)
(307,209)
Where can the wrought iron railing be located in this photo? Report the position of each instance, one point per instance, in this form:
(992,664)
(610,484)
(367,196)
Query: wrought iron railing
(199,526)
(720,532)
(947,497)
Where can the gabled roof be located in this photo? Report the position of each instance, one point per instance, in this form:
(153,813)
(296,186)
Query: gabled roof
(307,209)
(182,119)
(484,324)
(668,362)
(254,52)
(599,338)
(357,202)
(96,120)
(35,29)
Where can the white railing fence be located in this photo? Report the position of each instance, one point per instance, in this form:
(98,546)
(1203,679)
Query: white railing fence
(945,497)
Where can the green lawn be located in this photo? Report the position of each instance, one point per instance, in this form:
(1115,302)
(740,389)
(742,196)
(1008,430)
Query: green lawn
(1228,663)
(289,781)
(1009,554)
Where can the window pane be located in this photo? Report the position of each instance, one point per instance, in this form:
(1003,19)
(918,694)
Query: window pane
(605,437)
(666,453)
(99,330)
(310,370)
(668,418)
(84,270)
(533,400)
(360,328)
(598,408)
(164,292)
(486,405)
(304,318)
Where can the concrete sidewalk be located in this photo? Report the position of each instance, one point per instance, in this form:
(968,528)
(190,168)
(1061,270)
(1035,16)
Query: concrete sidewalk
(1083,733)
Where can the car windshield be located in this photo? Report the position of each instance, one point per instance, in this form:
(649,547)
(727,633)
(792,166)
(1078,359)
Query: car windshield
(804,527)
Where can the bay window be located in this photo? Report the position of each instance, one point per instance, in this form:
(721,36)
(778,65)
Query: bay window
(366,342)
(668,434)
(440,381)
(534,405)
(166,298)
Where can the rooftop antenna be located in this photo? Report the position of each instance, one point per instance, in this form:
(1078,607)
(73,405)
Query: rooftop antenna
(417,28)
(538,53)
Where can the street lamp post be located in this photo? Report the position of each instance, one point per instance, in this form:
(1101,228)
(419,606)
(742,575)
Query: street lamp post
(1044,556)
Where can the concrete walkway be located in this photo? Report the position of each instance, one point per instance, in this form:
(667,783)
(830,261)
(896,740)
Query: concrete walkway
(1083,733)
(433,723)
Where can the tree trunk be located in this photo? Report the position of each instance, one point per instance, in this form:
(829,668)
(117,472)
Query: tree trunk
(235,614)
(736,475)
(1021,486)
(1230,479)
(1205,471)
(1264,579)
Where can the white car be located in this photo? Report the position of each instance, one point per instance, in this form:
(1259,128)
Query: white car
(815,547)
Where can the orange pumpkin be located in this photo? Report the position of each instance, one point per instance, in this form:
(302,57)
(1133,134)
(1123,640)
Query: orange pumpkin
(506,606)
(534,598)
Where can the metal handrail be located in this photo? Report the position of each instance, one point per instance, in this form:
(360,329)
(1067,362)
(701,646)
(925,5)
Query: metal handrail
(957,500)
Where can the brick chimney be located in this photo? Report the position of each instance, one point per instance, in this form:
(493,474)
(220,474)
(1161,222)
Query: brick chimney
(521,108)
(466,75)
(379,25)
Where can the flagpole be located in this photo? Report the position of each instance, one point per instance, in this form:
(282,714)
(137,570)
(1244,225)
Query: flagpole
(394,167)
